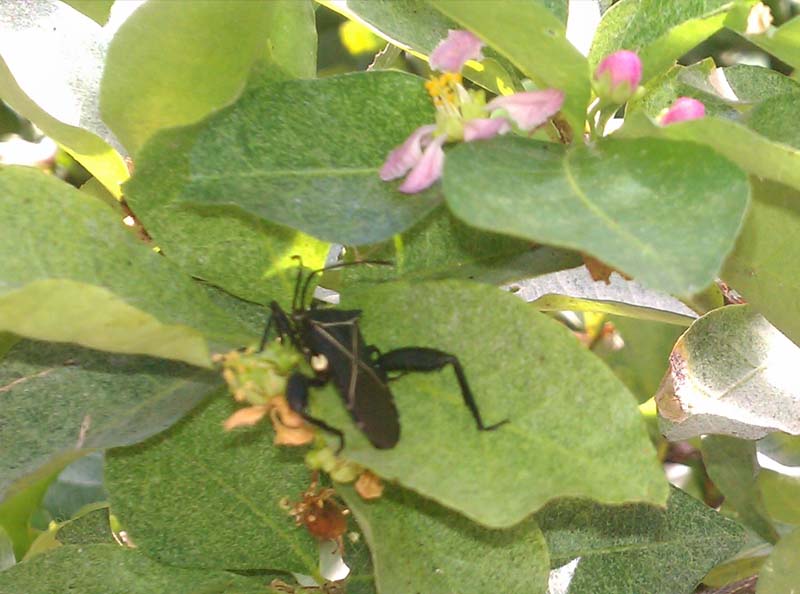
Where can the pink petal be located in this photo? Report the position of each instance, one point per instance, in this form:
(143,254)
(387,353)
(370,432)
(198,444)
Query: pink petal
(452,53)
(684,108)
(623,67)
(427,170)
(408,154)
(530,109)
(482,128)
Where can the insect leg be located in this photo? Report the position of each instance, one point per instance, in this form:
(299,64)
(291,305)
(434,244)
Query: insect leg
(297,397)
(283,326)
(425,359)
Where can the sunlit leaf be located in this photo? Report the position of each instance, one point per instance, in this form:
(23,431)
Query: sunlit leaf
(308,155)
(51,60)
(665,212)
(71,272)
(187,60)
(521,365)
(731,373)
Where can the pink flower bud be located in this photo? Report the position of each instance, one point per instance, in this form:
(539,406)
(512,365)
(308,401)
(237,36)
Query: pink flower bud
(618,76)
(452,53)
(684,108)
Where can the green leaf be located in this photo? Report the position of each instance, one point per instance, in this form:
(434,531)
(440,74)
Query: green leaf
(533,39)
(249,257)
(664,212)
(7,558)
(781,496)
(186,61)
(308,155)
(91,525)
(731,373)
(7,340)
(783,42)
(661,33)
(97,10)
(574,428)
(17,510)
(769,119)
(765,265)
(172,492)
(753,84)
(79,484)
(418,546)
(782,448)
(61,401)
(764,158)
(111,569)
(292,36)
(641,362)
(88,148)
(781,572)
(731,464)
(443,247)
(72,272)
(637,548)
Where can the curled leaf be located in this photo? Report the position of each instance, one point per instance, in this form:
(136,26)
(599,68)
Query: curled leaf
(731,373)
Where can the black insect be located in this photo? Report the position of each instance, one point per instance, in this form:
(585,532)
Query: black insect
(331,342)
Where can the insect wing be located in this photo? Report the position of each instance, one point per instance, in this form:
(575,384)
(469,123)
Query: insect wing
(335,334)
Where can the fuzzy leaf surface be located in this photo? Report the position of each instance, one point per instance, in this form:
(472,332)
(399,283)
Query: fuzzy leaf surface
(521,365)
(766,158)
(731,373)
(111,569)
(665,212)
(307,154)
(171,493)
(71,272)
(247,256)
(60,401)
(637,549)
(449,553)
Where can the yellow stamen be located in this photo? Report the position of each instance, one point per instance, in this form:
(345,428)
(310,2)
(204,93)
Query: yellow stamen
(444,89)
